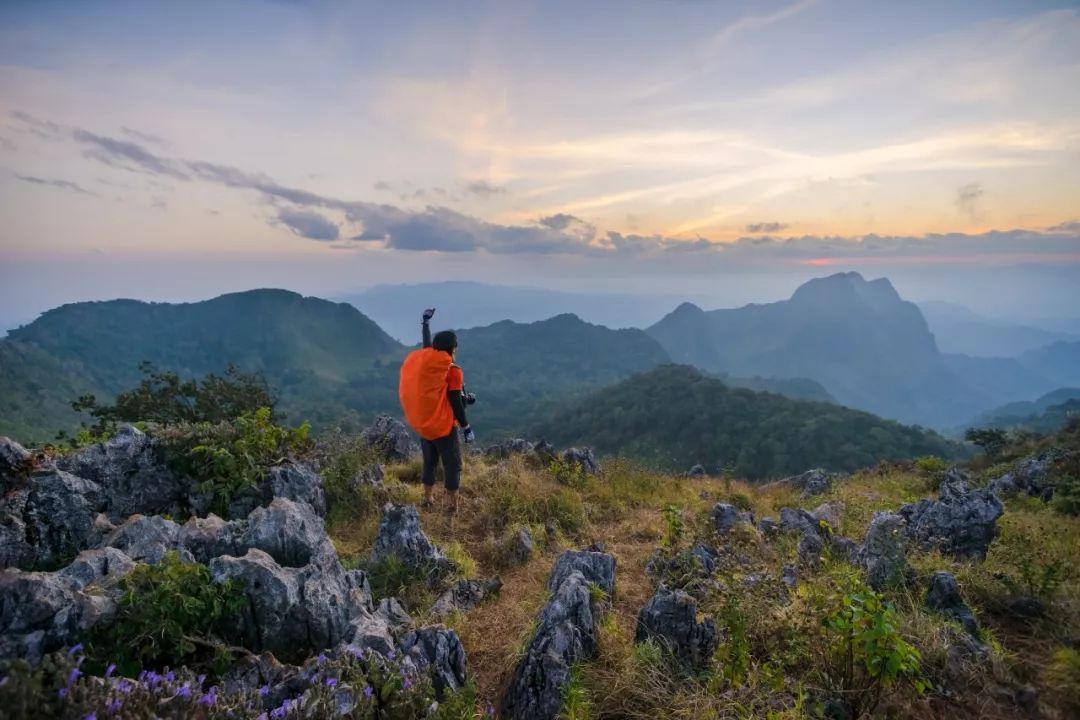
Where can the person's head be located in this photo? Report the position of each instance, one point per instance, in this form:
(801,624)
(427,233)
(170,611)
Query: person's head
(445,340)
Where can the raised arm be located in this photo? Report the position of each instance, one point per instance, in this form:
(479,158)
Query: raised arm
(425,328)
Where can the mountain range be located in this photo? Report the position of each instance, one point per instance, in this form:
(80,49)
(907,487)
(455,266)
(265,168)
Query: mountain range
(839,339)
(959,330)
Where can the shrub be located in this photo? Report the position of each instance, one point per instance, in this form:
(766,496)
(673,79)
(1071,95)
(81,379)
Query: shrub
(930,465)
(863,653)
(674,526)
(169,615)
(1062,675)
(569,474)
(1067,487)
(230,458)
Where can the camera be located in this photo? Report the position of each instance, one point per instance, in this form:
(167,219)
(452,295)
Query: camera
(467,397)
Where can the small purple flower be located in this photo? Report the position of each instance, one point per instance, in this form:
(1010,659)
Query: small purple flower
(75,648)
(407,684)
(331,682)
(491,710)
(264,691)
(184,692)
(209,698)
(277,713)
(391,655)
(356,652)
(110,670)
(321,659)
(62,692)
(201,679)
(125,686)
(91,716)
(368,692)
(286,704)
(73,676)
(114,706)
(170,676)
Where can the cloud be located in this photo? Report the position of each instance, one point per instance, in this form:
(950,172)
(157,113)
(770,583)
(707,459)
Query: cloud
(63,184)
(144,137)
(766,227)
(967,199)
(484,189)
(310,225)
(1072,226)
(382,185)
(127,155)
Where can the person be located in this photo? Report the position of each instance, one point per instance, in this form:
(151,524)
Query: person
(432,394)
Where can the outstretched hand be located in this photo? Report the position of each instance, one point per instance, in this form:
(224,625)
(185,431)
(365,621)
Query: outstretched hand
(428,314)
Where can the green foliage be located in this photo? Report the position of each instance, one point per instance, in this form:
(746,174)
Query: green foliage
(1062,676)
(569,474)
(865,653)
(411,584)
(930,465)
(673,526)
(1067,485)
(169,615)
(562,510)
(576,704)
(673,416)
(991,440)
(162,397)
(230,458)
(733,655)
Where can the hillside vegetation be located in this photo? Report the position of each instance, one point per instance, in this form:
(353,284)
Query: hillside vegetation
(675,416)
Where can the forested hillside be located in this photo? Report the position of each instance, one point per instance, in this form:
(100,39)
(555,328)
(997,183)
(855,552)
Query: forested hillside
(675,416)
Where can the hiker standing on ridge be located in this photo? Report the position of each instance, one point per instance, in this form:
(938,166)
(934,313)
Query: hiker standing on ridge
(432,394)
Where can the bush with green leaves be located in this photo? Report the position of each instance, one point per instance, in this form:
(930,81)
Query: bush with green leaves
(673,527)
(1063,676)
(863,653)
(228,458)
(1067,485)
(169,615)
(357,685)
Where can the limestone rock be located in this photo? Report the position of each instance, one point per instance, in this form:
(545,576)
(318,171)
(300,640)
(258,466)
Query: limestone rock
(400,534)
(131,471)
(464,595)
(583,459)
(883,553)
(147,538)
(811,482)
(520,547)
(15,465)
(294,481)
(697,471)
(944,596)
(961,521)
(59,515)
(438,651)
(390,440)
(670,618)
(595,567)
(207,538)
(503,450)
(290,532)
(726,517)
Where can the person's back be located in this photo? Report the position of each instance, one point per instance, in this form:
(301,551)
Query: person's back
(431,389)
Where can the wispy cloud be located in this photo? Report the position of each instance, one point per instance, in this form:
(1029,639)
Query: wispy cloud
(62,184)
(310,225)
(967,199)
(766,227)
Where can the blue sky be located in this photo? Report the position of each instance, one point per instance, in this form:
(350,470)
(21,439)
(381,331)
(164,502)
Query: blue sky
(642,146)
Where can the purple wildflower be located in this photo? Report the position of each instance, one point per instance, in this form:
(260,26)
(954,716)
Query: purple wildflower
(209,698)
(286,703)
(62,692)
(75,648)
(201,679)
(277,713)
(114,706)
(110,670)
(321,659)
(331,682)
(184,692)
(73,676)
(170,676)
(368,692)
(356,652)
(391,655)
(407,684)
(91,716)
(264,691)
(125,686)
(491,710)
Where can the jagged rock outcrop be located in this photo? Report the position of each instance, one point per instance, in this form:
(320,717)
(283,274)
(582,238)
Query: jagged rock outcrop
(944,596)
(291,612)
(373,475)
(43,611)
(582,459)
(438,651)
(464,595)
(670,619)
(147,538)
(1030,476)
(811,549)
(390,440)
(797,520)
(829,513)
(811,482)
(503,450)
(395,614)
(400,535)
(519,547)
(883,553)
(596,567)
(726,517)
(697,471)
(565,634)
(15,464)
(57,515)
(207,538)
(290,532)
(294,481)
(961,521)
(130,468)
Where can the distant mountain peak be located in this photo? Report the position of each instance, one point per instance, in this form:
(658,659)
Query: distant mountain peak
(847,285)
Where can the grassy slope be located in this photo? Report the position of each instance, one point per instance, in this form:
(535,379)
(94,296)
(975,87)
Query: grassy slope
(622,510)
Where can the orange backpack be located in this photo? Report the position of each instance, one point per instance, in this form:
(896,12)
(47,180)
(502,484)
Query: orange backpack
(422,390)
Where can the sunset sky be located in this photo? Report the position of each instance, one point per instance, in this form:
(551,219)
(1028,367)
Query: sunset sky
(173,150)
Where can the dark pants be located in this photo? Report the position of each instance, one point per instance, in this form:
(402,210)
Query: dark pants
(447,449)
